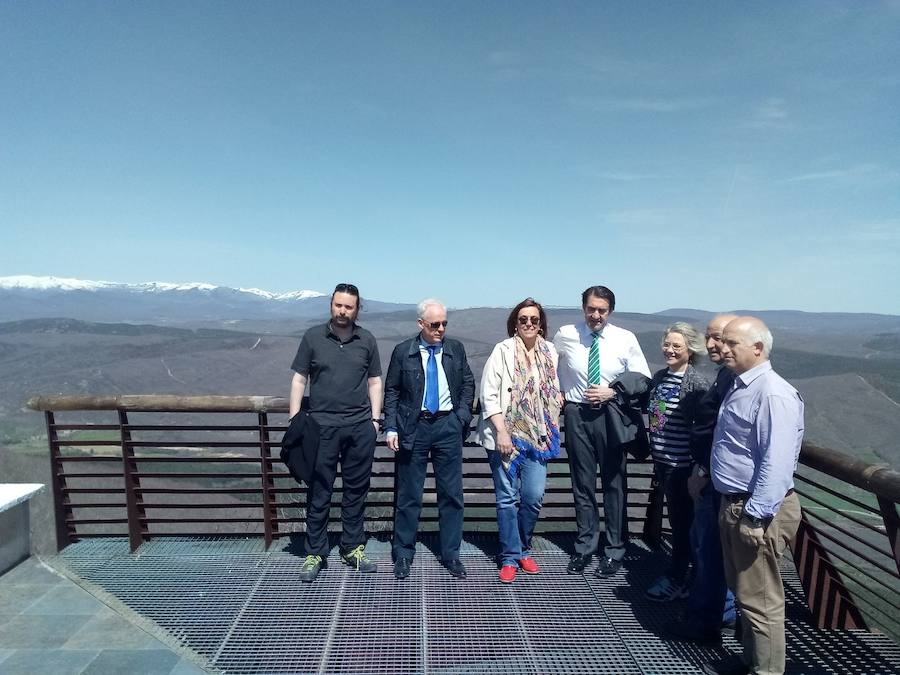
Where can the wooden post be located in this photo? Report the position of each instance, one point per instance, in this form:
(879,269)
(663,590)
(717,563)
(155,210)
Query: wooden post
(133,500)
(270,511)
(65,534)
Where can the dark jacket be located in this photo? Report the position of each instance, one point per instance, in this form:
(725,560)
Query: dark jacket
(693,386)
(300,446)
(404,387)
(624,414)
(705,416)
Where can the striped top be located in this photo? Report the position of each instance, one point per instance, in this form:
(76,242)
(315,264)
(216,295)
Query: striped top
(669,431)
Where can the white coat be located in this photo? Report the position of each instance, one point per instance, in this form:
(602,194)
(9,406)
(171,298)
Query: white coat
(496,386)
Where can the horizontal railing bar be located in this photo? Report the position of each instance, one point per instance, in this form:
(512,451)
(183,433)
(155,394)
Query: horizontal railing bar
(96,505)
(160,403)
(199,460)
(198,491)
(850,579)
(839,495)
(190,427)
(93,491)
(881,479)
(99,474)
(211,521)
(84,427)
(858,521)
(810,513)
(220,475)
(63,443)
(194,444)
(177,505)
(887,570)
(95,521)
(89,458)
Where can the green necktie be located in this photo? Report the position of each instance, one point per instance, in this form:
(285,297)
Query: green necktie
(594,361)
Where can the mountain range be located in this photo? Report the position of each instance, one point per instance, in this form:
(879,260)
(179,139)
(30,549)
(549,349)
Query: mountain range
(80,337)
(32,297)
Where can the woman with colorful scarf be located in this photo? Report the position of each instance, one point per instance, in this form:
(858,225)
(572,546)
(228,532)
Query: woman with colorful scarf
(519,427)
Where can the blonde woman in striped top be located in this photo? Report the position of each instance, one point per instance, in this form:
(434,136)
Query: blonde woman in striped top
(674,393)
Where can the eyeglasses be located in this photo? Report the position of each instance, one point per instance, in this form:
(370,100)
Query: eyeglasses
(434,325)
(674,348)
(533,320)
(346,288)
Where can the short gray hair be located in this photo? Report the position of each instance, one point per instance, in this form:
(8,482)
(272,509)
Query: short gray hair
(757,331)
(423,306)
(692,338)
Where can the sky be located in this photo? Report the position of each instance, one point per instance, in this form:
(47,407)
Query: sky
(706,155)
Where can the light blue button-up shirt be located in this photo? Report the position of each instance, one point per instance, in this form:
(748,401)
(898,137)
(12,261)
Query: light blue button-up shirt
(757,439)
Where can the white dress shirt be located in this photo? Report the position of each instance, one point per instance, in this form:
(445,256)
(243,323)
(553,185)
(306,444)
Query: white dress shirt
(619,352)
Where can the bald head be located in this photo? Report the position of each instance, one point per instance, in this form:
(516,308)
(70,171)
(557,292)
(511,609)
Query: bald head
(746,342)
(714,330)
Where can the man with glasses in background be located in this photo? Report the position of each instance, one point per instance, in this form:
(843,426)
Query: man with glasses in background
(427,410)
(338,362)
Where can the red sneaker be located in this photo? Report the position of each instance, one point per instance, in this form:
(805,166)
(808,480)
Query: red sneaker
(507,574)
(529,566)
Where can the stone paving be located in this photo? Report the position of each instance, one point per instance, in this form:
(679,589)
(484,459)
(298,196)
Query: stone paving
(48,624)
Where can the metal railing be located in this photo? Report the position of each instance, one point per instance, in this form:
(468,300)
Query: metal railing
(159,466)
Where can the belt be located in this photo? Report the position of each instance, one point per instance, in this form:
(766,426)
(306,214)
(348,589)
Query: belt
(733,497)
(427,415)
(583,404)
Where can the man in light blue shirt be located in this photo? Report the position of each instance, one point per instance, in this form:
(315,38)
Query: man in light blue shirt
(755,449)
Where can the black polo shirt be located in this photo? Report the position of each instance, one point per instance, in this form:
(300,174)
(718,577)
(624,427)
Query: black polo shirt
(338,374)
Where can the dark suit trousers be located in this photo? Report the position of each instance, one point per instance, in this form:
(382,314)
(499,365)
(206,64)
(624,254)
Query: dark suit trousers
(442,440)
(354,448)
(587,448)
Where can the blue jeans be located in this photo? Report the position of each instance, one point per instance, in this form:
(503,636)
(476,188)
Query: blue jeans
(519,500)
(710,602)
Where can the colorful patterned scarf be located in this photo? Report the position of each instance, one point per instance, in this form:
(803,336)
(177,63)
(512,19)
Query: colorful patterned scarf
(532,436)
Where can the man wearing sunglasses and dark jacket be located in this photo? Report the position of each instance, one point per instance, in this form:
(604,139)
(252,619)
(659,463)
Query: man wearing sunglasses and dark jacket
(427,410)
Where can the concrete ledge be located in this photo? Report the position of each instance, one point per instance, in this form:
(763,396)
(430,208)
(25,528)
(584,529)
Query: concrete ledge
(15,523)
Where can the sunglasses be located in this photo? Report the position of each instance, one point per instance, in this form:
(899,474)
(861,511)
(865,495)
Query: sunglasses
(434,325)
(533,320)
(346,288)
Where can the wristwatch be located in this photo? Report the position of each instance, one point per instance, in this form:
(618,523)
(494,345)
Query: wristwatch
(756,521)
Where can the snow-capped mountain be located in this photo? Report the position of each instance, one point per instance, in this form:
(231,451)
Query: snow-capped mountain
(30,297)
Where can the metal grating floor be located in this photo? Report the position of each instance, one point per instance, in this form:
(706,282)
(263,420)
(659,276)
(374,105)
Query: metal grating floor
(240,609)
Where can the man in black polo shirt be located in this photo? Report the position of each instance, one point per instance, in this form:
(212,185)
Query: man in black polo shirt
(339,361)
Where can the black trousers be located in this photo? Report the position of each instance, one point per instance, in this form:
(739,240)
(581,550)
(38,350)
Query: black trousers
(587,449)
(673,482)
(354,448)
(440,438)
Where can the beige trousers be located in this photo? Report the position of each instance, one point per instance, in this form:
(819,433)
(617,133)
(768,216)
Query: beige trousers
(753,573)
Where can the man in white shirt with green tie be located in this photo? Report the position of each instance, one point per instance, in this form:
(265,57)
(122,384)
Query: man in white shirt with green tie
(592,354)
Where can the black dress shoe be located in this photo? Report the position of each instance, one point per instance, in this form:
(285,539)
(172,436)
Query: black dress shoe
(578,562)
(733,665)
(691,631)
(401,568)
(456,568)
(608,567)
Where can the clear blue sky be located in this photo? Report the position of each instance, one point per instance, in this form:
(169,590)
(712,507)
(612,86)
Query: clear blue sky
(710,155)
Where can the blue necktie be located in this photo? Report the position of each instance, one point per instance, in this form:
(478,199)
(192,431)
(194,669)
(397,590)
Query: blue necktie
(432,401)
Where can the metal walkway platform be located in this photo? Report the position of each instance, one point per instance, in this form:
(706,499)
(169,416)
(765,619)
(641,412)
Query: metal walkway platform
(240,609)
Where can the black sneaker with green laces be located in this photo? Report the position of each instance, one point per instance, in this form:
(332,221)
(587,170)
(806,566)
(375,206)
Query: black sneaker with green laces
(311,567)
(356,558)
